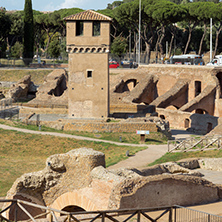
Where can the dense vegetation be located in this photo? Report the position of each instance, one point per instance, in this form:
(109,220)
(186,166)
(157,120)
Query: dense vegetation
(184,24)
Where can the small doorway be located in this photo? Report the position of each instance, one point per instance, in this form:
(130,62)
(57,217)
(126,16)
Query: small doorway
(186,123)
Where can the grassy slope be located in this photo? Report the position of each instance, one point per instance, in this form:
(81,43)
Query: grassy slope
(173,157)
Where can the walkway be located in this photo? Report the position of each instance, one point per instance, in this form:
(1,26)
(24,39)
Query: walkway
(142,158)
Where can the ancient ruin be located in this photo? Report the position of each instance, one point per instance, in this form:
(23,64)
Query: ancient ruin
(78,180)
(191,99)
(151,97)
(53,91)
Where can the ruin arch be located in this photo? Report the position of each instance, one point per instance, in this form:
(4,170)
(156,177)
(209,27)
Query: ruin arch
(201,111)
(87,50)
(131,84)
(69,50)
(162,117)
(75,50)
(172,107)
(72,208)
(74,199)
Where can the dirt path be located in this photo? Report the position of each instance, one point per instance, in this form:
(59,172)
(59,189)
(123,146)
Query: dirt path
(142,158)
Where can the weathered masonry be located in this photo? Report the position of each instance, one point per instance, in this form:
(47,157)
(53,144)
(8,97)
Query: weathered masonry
(88,43)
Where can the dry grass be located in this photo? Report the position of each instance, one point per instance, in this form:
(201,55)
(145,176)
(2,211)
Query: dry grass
(13,75)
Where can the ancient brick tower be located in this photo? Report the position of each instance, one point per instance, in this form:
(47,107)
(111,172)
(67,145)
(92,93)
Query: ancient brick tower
(88,43)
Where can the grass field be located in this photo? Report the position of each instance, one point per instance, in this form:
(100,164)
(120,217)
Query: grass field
(13,75)
(21,153)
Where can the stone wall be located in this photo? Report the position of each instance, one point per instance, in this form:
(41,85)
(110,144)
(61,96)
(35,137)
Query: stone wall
(110,127)
(197,123)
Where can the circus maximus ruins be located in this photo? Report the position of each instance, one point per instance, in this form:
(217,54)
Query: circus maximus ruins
(189,97)
(186,96)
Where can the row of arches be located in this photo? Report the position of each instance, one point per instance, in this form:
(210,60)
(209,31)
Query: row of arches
(187,124)
(87,50)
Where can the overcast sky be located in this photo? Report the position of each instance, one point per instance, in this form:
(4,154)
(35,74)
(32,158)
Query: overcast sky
(51,5)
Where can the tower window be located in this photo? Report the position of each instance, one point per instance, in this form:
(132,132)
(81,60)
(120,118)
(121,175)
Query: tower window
(197,88)
(96,28)
(79,28)
(89,74)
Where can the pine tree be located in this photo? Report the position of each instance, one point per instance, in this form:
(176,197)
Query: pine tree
(28,33)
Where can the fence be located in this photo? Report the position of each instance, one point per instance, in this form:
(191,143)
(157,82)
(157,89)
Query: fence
(170,214)
(45,63)
(195,144)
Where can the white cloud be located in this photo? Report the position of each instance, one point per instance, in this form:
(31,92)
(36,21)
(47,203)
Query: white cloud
(73,4)
(49,7)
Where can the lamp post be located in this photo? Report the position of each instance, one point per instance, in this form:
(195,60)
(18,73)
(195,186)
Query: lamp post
(139,30)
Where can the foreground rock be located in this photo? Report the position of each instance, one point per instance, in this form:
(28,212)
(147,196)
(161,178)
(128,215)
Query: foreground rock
(79,179)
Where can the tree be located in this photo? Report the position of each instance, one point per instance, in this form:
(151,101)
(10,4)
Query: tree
(28,33)
(16,50)
(128,15)
(16,31)
(119,46)
(216,15)
(114,4)
(54,48)
(203,10)
(4,30)
(51,23)
(214,1)
(165,13)
(191,21)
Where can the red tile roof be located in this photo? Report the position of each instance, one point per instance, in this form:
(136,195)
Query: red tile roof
(88,15)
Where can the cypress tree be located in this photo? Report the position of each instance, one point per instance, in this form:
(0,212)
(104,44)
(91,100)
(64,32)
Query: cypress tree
(28,33)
